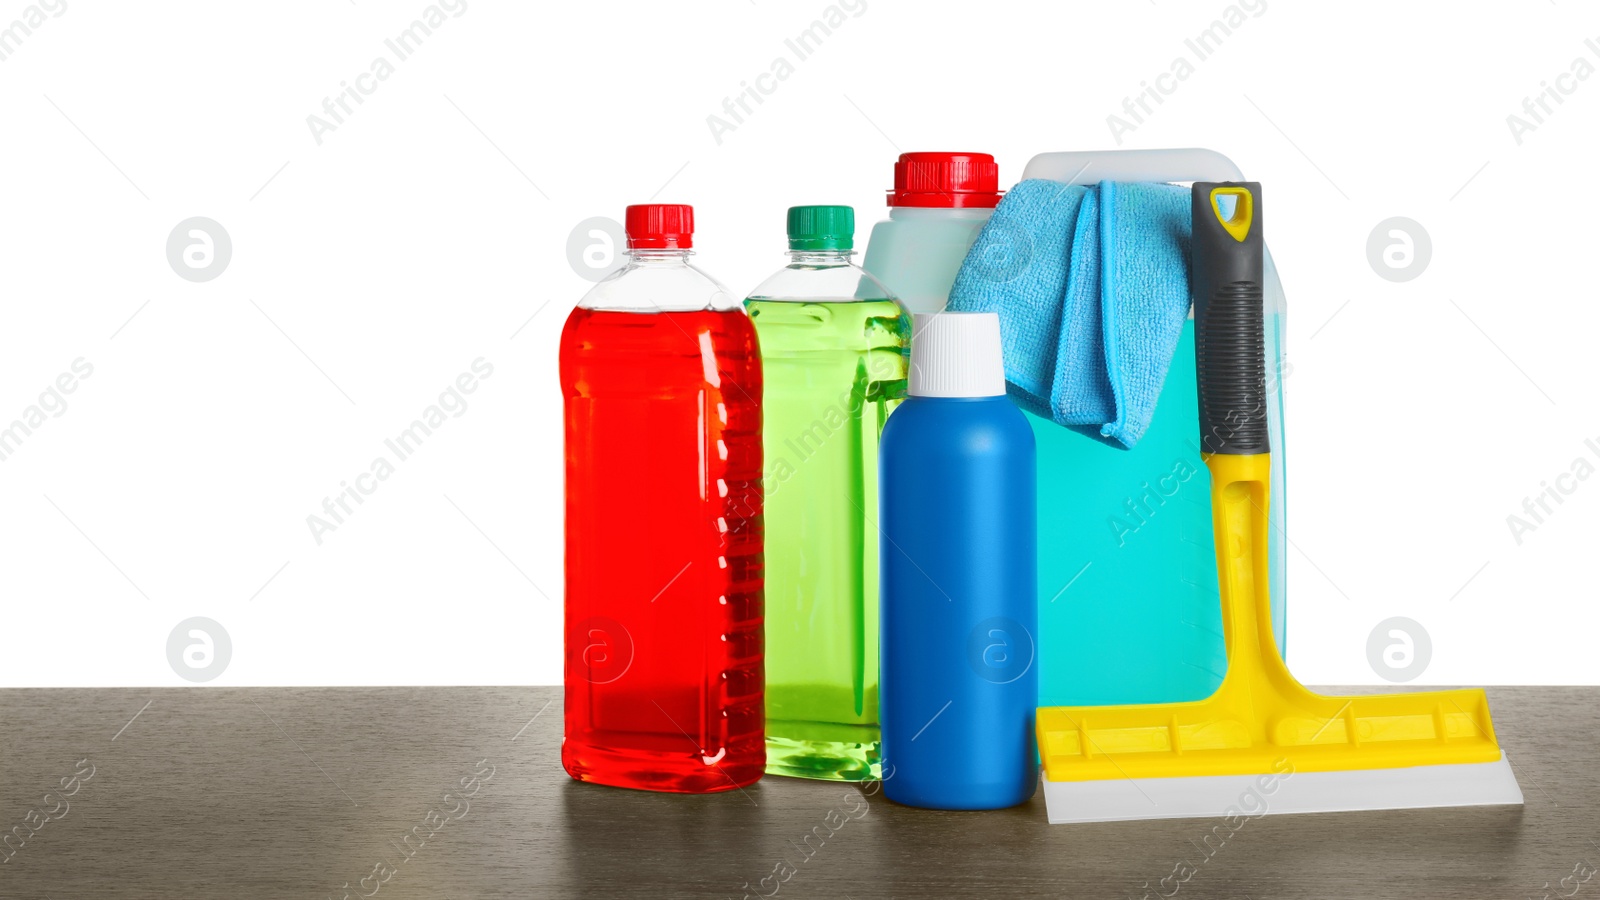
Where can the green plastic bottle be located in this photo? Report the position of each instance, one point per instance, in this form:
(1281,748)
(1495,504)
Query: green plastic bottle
(834,359)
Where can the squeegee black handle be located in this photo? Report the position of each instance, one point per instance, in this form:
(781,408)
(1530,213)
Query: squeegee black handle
(1226,277)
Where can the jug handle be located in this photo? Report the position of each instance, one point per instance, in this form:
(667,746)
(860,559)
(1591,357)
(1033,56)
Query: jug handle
(1088,167)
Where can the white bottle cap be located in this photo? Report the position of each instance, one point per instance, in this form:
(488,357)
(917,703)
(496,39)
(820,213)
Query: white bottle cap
(956,354)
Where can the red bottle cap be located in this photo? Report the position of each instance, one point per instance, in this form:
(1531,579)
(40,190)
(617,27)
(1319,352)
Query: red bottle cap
(949,180)
(660,226)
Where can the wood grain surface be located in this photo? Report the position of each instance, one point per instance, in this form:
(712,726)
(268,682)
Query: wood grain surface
(458,793)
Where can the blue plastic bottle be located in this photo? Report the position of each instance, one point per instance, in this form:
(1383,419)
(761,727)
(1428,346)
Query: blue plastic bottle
(959,681)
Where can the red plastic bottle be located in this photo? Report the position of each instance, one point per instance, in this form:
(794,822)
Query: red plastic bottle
(662,380)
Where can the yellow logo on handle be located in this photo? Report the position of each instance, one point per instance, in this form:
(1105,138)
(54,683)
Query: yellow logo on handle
(1238,223)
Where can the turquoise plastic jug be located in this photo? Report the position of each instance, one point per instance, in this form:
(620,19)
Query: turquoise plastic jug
(1128,603)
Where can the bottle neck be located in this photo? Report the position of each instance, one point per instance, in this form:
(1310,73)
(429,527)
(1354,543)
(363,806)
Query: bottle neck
(655,258)
(818,258)
(655,280)
(958,213)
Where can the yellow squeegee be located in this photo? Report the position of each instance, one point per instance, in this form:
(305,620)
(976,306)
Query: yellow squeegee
(1262,743)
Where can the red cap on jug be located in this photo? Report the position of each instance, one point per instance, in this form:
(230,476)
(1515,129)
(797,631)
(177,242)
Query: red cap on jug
(660,226)
(950,180)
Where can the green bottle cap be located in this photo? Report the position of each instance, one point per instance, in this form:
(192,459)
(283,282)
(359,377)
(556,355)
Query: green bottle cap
(821,227)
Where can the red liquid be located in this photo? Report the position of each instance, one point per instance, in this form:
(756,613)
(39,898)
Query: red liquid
(663,557)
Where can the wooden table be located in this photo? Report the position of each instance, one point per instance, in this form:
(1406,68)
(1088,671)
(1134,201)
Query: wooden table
(263,793)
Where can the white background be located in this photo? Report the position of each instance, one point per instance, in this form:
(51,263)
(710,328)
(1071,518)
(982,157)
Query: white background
(370,270)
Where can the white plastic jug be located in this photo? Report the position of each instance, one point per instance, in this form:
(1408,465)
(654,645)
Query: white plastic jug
(939,204)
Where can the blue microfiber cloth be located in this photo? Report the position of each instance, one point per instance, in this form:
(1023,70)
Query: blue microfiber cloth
(1085,398)
(1018,268)
(1092,288)
(1144,289)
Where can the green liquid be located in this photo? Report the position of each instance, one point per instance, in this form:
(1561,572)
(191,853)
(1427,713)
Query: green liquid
(832,373)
